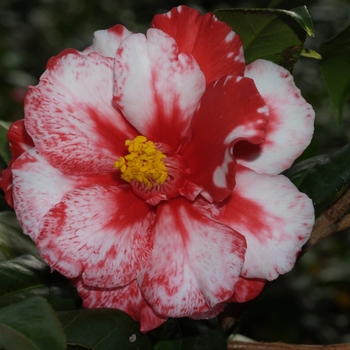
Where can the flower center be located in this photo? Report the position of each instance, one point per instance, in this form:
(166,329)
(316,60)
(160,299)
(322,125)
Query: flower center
(144,163)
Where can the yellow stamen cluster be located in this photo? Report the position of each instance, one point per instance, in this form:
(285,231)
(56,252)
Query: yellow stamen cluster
(144,162)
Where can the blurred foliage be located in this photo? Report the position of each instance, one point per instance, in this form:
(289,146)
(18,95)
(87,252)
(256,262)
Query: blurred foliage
(311,304)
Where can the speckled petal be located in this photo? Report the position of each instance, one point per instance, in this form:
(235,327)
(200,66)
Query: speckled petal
(37,187)
(127,299)
(70,115)
(100,232)
(195,262)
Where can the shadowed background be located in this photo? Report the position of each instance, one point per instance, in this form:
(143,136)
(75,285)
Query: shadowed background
(312,303)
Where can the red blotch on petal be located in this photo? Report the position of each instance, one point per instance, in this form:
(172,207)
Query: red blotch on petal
(247,289)
(19,142)
(216,48)
(230,110)
(100,232)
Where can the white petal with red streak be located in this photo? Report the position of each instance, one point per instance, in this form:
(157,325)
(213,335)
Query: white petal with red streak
(195,262)
(216,48)
(231,110)
(156,88)
(291,121)
(70,116)
(37,187)
(106,42)
(100,232)
(274,217)
(127,299)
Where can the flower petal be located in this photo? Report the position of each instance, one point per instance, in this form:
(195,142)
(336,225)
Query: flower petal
(291,121)
(231,110)
(127,299)
(101,232)
(216,48)
(247,289)
(274,217)
(195,262)
(19,142)
(106,42)
(70,116)
(218,308)
(6,183)
(156,88)
(37,187)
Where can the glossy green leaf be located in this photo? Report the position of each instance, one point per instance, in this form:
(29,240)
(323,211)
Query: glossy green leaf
(27,276)
(322,176)
(214,340)
(335,68)
(32,325)
(12,241)
(103,329)
(5,153)
(275,35)
(185,333)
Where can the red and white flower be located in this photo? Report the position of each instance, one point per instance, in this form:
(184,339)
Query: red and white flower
(147,169)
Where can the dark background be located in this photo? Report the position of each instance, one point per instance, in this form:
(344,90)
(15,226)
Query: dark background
(311,304)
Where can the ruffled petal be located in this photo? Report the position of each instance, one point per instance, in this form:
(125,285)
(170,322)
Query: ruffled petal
(127,299)
(216,48)
(106,42)
(6,184)
(100,232)
(218,308)
(231,110)
(70,116)
(247,289)
(37,187)
(195,262)
(156,88)
(274,217)
(19,142)
(291,121)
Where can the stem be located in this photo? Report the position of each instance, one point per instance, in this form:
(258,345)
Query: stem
(239,345)
(331,221)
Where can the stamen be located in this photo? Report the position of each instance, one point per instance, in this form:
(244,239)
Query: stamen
(144,163)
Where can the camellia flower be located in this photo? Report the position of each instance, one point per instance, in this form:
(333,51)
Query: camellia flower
(146,169)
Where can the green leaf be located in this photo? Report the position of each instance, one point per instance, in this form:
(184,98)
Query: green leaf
(310,53)
(302,16)
(214,340)
(5,152)
(27,276)
(275,35)
(185,333)
(12,241)
(30,325)
(103,329)
(335,68)
(322,176)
